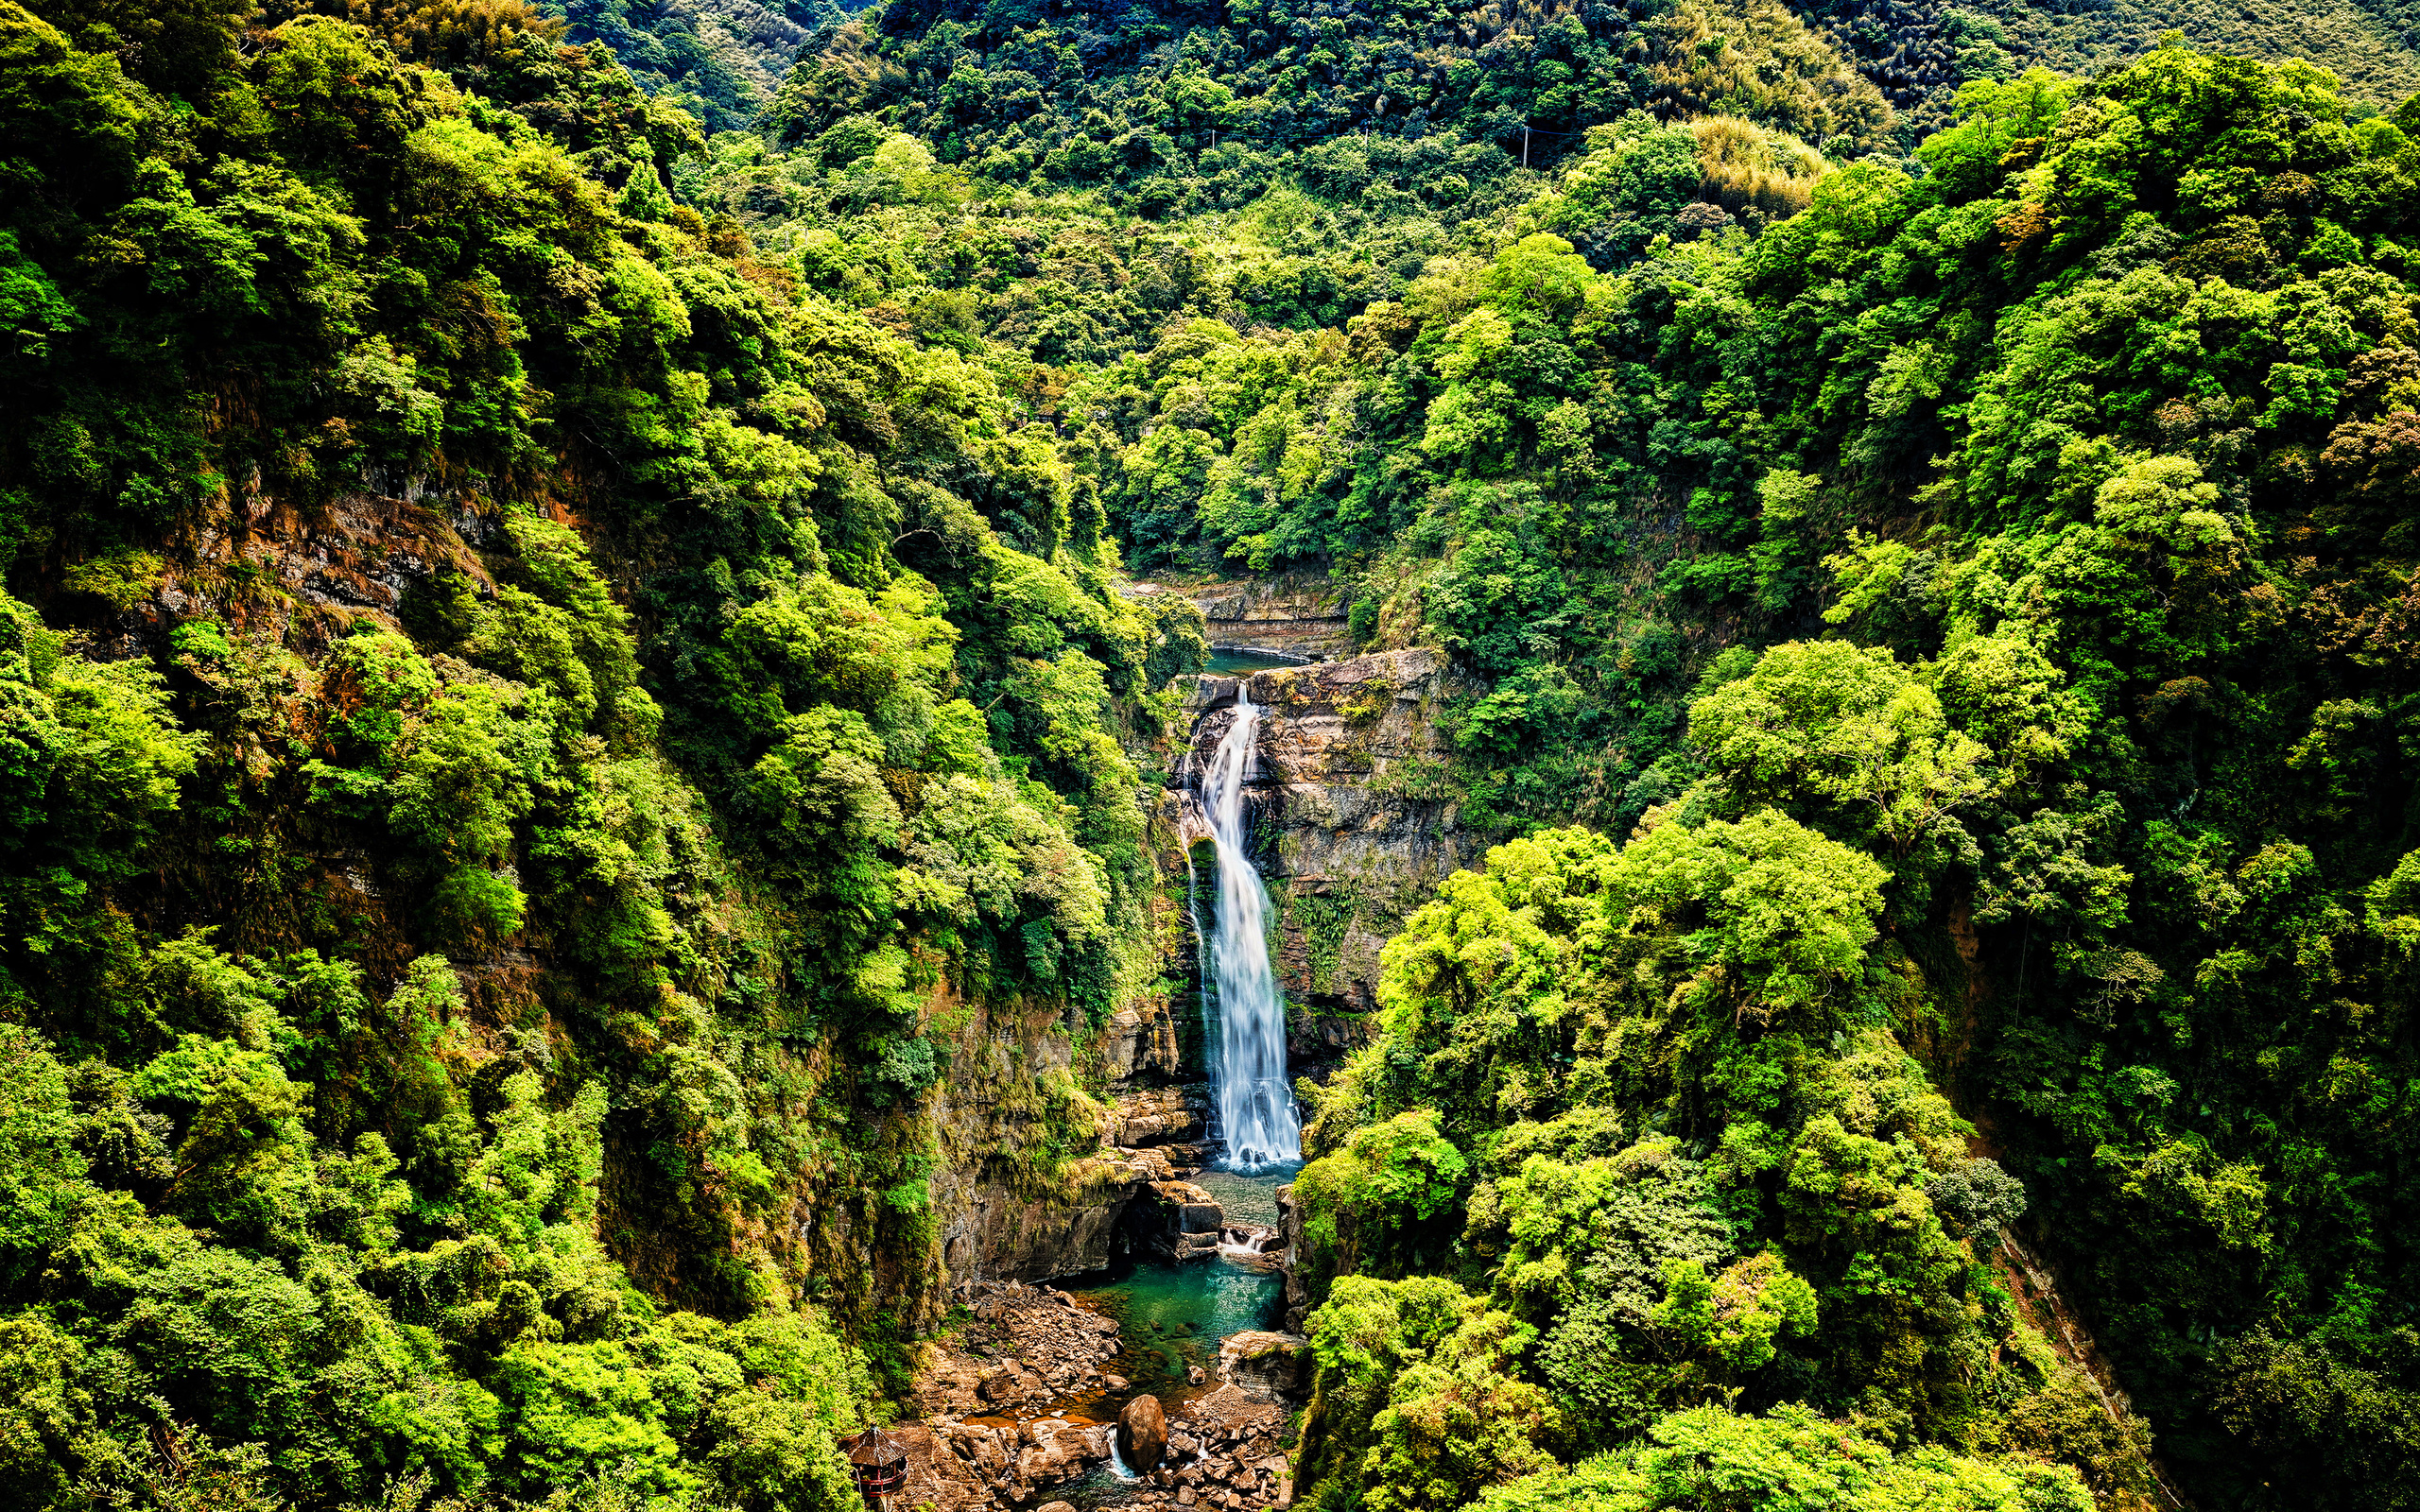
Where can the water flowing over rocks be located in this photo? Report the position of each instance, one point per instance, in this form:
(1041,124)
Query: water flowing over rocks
(1333,791)
(1019,1400)
(1353,824)
(1255,1100)
(1225,1451)
(1142,1434)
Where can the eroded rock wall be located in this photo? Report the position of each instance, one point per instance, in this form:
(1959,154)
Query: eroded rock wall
(1013,1110)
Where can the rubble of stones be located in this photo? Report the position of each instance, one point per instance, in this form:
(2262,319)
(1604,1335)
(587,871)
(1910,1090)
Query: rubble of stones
(1032,1352)
(1028,1347)
(1225,1451)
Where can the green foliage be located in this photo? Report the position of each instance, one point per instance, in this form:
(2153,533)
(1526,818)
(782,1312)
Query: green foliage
(428,973)
(1366,1207)
(1707,1169)
(556,657)
(1416,1407)
(1792,1459)
(2083,440)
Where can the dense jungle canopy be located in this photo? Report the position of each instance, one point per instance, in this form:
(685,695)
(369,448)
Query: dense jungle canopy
(1929,497)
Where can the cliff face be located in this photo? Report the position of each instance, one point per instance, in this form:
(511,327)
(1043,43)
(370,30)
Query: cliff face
(1297,613)
(1035,1173)
(1353,823)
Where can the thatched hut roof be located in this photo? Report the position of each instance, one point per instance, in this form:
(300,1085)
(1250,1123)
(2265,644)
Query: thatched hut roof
(874,1450)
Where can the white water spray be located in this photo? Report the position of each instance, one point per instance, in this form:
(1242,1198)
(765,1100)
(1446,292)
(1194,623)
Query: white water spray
(1256,1104)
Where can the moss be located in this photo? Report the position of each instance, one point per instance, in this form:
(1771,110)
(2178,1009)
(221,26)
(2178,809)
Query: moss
(122,578)
(1368,704)
(1422,778)
(1323,920)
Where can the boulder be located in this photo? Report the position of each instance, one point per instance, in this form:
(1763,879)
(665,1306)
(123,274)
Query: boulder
(1267,1365)
(1142,1434)
(1177,1220)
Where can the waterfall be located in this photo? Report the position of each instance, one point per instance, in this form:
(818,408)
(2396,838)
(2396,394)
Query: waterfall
(1256,1104)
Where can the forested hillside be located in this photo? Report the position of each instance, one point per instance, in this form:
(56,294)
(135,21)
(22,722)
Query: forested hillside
(564,637)
(489,810)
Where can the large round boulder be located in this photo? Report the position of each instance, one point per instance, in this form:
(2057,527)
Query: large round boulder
(1142,1434)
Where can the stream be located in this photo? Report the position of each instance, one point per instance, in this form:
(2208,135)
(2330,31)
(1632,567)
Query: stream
(1172,1316)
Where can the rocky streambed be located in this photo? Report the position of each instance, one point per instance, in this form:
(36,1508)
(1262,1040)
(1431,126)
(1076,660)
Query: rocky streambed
(1154,1385)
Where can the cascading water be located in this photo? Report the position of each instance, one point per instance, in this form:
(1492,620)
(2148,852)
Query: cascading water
(1256,1104)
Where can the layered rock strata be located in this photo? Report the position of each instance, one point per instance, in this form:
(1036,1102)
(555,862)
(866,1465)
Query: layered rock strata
(1298,613)
(1004,1218)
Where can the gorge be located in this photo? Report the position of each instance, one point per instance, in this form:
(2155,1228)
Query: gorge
(1460,759)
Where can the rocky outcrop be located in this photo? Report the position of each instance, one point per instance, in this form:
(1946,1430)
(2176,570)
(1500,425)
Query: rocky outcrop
(1140,1041)
(1219,1450)
(1177,1220)
(1299,1255)
(1265,1365)
(1357,750)
(1296,613)
(963,1466)
(1168,1115)
(1009,1210)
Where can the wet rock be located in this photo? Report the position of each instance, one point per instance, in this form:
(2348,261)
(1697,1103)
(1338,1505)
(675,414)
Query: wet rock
(1347,746)
(1056,1506)
(1297,1248)
(995,1231)
(1142,1433)
(1200,1217)
(1267,1365)
(1177,1220)
(1297,613)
